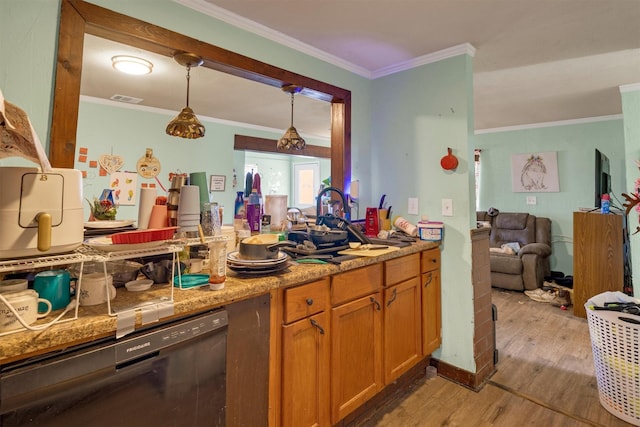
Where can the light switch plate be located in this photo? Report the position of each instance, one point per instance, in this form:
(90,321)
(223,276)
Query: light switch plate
(531,200)
(412,209)
(447,207)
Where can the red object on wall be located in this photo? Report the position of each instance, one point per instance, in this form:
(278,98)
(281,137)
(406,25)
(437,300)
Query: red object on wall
(449,162)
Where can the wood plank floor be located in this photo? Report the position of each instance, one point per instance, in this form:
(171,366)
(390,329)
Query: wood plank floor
(545,377)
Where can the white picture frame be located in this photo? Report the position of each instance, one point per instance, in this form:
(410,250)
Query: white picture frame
(535,173)
(217,182)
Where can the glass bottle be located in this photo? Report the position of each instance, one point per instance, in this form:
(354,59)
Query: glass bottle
(217,264)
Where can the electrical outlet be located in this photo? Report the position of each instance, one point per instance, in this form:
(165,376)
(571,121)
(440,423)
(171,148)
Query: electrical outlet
(412,209)
(447,207)
(531,200)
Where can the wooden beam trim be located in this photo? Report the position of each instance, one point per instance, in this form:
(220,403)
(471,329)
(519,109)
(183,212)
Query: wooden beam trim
(252,143)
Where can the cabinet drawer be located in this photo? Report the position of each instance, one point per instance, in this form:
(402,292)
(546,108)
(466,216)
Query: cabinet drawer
(401,269)
(430,260)
(355,283)
(305,300)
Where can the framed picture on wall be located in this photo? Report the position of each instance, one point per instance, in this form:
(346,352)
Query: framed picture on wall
(535,172)
(217,182)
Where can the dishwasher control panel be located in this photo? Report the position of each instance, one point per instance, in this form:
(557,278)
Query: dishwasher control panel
(137,347)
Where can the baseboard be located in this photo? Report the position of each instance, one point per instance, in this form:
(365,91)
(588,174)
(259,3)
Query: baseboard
(460,376)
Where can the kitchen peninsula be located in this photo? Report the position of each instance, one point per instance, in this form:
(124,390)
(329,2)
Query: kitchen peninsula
(324,303)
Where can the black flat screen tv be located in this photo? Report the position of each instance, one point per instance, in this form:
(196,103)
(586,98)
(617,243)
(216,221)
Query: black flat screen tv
(602,177)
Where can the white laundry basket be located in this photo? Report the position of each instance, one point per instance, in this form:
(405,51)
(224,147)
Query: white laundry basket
(616,355)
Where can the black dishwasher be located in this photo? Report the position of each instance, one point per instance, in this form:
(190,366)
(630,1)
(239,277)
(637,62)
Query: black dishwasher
(172,375)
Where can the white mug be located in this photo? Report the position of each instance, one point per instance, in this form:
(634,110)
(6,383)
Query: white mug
(93,290)
(26,304)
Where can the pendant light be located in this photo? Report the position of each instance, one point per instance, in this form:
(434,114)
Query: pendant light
(291,140)
(186,124)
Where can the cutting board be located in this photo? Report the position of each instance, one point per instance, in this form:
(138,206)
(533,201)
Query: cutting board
(369,252)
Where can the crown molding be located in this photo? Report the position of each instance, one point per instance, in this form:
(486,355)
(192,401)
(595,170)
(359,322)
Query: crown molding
(550,124)
(248,25)
(633,87)
(450,52)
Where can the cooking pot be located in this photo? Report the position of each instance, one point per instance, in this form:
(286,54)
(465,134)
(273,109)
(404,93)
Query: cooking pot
(261,246)
(160,271)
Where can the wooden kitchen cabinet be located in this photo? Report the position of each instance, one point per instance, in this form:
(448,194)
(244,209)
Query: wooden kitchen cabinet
(356,339)
(402,316)
(338,342)
(306,356)
(305,374)
(431,299)
(356,354)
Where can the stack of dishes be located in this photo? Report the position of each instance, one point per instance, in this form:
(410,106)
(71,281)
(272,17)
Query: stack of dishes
(257,266)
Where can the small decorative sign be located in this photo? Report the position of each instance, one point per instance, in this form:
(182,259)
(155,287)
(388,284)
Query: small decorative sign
(217,182)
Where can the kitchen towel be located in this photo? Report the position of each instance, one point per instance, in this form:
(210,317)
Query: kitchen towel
(147,201)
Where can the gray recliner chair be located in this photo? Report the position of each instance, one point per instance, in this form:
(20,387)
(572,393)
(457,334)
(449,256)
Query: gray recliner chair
(526,269)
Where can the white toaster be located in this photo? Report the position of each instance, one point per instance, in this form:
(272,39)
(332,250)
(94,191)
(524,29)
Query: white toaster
(40,213)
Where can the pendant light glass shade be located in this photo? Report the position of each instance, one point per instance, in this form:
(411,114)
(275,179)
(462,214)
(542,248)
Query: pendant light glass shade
(186,124)
(291,140)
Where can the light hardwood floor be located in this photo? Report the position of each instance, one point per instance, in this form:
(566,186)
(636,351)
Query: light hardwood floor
(544,377)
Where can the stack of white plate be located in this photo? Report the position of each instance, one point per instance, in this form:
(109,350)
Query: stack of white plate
(257,267)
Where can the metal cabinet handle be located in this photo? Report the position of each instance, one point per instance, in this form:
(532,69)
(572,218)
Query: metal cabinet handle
(377,304)
(317,325)
(309,301)
(429,279)
(393,297)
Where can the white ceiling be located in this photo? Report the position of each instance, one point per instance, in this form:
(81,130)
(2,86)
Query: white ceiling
(535,61)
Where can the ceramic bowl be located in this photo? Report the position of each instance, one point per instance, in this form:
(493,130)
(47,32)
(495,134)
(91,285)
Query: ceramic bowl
(138,285)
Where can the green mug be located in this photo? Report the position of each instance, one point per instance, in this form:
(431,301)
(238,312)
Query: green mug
(54,286)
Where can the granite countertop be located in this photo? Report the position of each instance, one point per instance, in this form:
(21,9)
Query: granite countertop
(94,322)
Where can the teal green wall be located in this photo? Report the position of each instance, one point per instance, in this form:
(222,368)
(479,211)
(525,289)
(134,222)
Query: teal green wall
(631,112)
(575,145)
(28,38)
(417,114)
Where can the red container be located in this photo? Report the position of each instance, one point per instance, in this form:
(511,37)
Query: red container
(143,236)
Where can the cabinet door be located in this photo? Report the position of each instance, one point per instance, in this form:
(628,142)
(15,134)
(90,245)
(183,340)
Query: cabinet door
(356,354)
(305,372)
(402,328)
(431,312)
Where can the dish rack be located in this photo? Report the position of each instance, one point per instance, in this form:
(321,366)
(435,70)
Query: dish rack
(85,254)
(10,266)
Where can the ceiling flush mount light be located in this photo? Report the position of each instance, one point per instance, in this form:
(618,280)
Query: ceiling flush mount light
(131,65)
(186,124)
(291,140)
